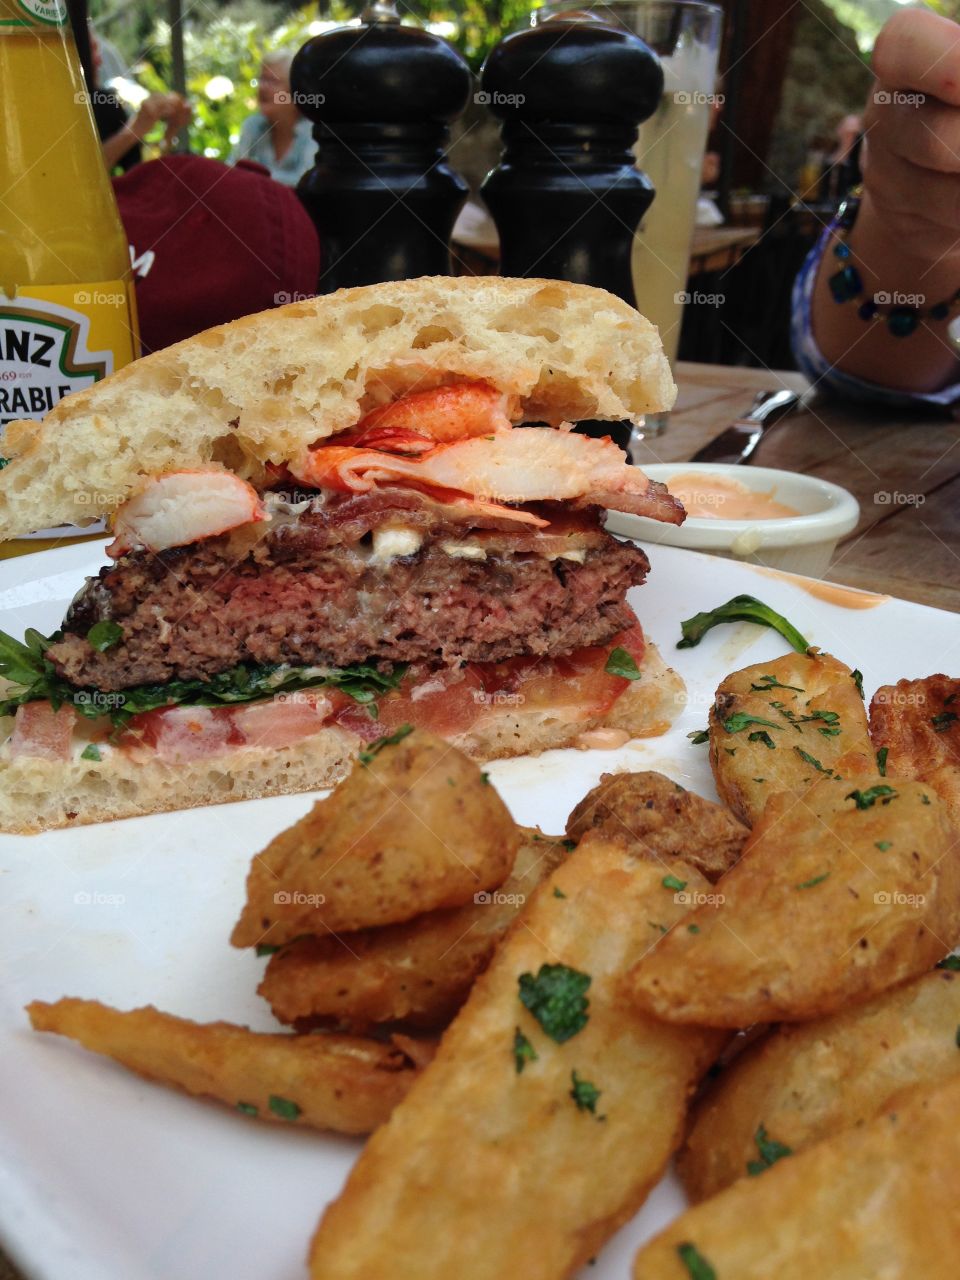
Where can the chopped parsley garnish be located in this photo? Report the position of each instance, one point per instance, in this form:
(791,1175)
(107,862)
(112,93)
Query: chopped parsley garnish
(655,924)
(741,719)
(569,845)
(867,799)
(942,722)
(584,1094)
(91,752)
(693,928)
(485,779)
(373,749)
(882,761)
(812,760)
(759,779)
(698,1268)
(770,1152)
(740,609)
(771,682)
(558,893)
(924,799)
(699,736)
(731,751)
(809,884)
(950,962)
(858,680)
(761,735)
(267,949)
(621,663)
(557,999)
(247,1108)
(956,1038)
(672,882)
(283,1107)
(523,1050)
(883,845)
(104,635)
(24,664)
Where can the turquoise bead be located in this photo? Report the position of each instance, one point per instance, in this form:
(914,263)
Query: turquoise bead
(846,284)
(902,321)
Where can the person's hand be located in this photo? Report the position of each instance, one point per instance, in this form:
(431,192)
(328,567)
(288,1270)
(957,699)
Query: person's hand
(169,108)
(911,160)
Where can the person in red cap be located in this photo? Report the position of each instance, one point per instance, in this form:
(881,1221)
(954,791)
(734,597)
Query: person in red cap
(212,242)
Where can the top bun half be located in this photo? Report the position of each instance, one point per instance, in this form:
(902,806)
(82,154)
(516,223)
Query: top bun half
(262,389)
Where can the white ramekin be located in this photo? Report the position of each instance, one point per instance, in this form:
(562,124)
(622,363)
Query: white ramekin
(804,543)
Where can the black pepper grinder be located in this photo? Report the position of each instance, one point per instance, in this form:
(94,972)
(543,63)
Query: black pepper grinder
(567,196)
(381,194)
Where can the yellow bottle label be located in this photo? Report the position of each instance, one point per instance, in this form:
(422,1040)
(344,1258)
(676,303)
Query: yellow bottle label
(56,339)
(18,14)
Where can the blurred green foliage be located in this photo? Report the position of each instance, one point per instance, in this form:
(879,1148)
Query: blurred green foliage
(230,46)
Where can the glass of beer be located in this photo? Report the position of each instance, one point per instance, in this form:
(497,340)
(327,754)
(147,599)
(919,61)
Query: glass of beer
(685,34)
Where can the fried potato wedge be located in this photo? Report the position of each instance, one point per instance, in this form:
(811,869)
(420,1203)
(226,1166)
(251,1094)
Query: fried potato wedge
(659,819)
(838,895)
(413,828)
(917,724)
(783,726)
(333,1082)
(419,972)
(543,1121)
(805,1082)
(878,1201)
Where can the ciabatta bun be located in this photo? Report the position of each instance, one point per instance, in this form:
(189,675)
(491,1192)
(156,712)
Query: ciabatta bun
(262,389)
(40,795)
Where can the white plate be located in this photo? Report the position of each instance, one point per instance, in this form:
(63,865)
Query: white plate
(106,1177)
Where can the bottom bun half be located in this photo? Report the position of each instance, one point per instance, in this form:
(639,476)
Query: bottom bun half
(42,795)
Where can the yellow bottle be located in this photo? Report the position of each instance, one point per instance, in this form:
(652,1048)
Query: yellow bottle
(67,308)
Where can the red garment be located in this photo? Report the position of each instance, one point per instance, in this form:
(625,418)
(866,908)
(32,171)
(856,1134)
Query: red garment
(212,242)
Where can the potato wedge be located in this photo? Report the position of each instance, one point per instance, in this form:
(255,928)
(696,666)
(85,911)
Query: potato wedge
(839,895)
(878,1201)
(784,725)
(917,724)
(419,972)
(534,1134)
(659,819)
(333,1082)
(413,828)
(808,1081)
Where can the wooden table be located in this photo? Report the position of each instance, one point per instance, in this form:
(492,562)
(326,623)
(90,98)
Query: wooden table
(907,546)
(719,248)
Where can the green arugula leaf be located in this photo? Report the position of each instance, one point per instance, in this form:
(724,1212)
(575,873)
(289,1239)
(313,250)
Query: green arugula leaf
(373,749)
(771,682)
(950,962)
(699,736)
(867,799)
(91,752)
(812,760)
(770,1152)
(740,609)
(741,719)
(672,882)
(858,680)
(761,735)
(621,663)
(523,1050)
(809,884)
(104,635)
(556,998)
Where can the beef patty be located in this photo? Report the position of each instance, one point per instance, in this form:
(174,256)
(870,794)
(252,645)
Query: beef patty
(299,596)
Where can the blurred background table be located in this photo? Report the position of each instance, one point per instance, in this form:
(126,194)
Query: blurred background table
(720,248)
(902,548)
